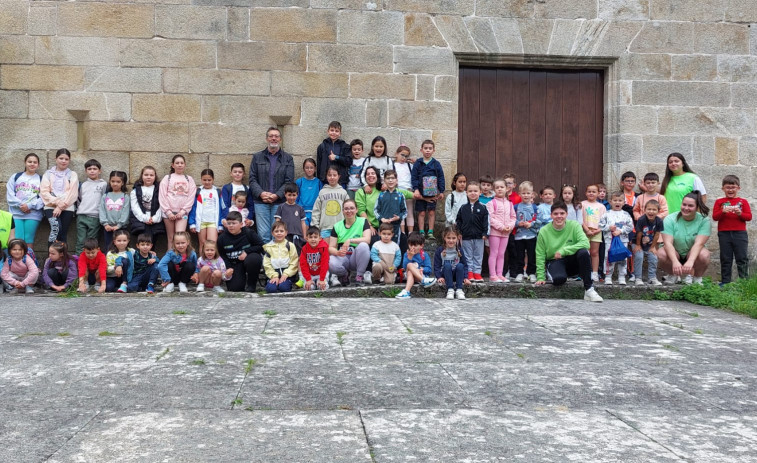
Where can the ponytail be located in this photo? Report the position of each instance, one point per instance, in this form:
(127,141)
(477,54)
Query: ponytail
(701,206)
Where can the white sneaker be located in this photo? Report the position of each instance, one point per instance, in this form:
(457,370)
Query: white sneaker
(368,278)
(335,280)
(640,282)
(97,288)
(450,293)
(632,278)
(219,289)
(30,290)
(594,276)
(519,278)
(608,281)
(504,279)
(182,287)
(695,280)
(688,280)
(201,288)
(460,294)
(592,296)
(168,288)
(428,281)
(532,278)
(655,282)
(404,294)
(621,280)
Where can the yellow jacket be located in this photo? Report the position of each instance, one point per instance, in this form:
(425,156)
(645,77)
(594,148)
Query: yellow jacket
(280,257)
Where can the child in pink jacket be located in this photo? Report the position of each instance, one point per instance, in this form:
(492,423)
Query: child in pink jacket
(501,222)
(177,193)
(19,269)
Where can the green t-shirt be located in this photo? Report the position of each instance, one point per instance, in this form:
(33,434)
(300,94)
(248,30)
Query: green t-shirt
(566,241)
(678,187)
(685,232)
(365,203)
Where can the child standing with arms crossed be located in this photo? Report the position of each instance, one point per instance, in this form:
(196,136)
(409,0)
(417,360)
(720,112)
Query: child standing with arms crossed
(501,222)
(450,266)
(473,223)
(428,186)
(732,213)
(615,222)
(592,212)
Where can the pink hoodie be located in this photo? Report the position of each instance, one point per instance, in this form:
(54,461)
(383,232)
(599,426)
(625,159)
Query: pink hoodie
(177,194)
(27,270)
(501,216)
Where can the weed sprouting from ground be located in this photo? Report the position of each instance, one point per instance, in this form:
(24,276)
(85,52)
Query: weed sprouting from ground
(670,347)
(391,292)
(269,313)
(107,333)
(180,312)
(488,333)
(249,364)
(64,334)
(163,354)
(340,337)
(739,296)
(198,362)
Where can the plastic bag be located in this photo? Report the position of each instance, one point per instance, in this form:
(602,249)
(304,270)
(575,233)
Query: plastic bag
(618,251)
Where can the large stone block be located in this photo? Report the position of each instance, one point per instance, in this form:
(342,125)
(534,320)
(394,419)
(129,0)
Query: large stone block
(642,66)
(166,108)
(224,138)
(136,136)
(77,51)
(615,38)
(424,60)
(413,138)
(424,89)
(250,109)
(535,35)
(737,68)
(190,22)
(740,11)
(692,38)
(505,8)
(455,7)
(658,147)
(623,10)
(106,19)
(349,58)
(681,93)
(482,32)
(370,27)
(13,77)
(445,88)
(320,111)
(293,25)
(161,161)
(167,53)
(238,24)
(345,4)
(703,151)
(688,10)
(636,120)
(16,49)
(694,67)
(420,30)
(100,106)
(129,80)
(726,150)
(753,40)
(315,84)
(706,121)
(110,160)
(375,113)
(262,56)
(627,147)
(212,82)
(744,95)
(455,33)
(221,164)
(37,134)
(507,32)
(748,151)
(43,19)
(389,86)
(575,9)
(563,38)
(13,17)
(423,115)
(12,161)
(14,104)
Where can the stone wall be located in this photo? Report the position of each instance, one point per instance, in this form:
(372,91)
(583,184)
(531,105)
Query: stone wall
(135,83)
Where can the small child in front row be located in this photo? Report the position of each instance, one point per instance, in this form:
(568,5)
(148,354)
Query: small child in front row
(178,266)
(314,261)
(92,267)
(120,259)
(527,227)
(280,260)
(293,215)
(20,270)
(390,207)
(732,213)
(211,269)
(59,270)
(145,273)
(615,222)
(385,255)
(417,265)
(450,265)
(648,229)
(473,223)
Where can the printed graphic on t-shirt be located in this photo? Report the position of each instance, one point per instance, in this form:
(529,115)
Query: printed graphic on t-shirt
(313,260)
(333,208)
(430,187)
(114,205)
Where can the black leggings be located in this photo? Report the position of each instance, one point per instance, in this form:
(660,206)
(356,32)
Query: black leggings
(246,273)
(183,275)
(579,263)
(58,277)
(58,225)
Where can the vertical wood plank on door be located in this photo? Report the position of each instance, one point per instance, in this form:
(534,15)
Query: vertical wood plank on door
(504,115)
(586,127)
(553,132)
(569,145)
(468,133)
(487,152)
(537,128)
(521,119)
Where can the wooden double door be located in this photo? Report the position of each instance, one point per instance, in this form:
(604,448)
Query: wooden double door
(542,125)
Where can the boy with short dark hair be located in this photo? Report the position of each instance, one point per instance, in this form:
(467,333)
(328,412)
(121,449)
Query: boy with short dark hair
(145,273)
(390,207)
(293,215)
(241,250)
(91,192)
(651,183)
(92,263)
(486,182)
(473,224)
(648,229)
(333,151)
(417,265)
(732,213)
(385,255)
(428,186)
(628,182)
(314,261)
(355,183)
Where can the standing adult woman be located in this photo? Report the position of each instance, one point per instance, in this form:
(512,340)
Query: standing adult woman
(679,181)
(348,246)
(684,235)
(59,190)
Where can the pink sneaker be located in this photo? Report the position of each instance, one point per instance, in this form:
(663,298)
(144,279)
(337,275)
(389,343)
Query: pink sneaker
(494,279)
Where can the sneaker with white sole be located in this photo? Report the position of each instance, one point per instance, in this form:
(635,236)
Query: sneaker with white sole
(335,280)
(460,294)
(201,288)
(519,278)
(450,293)
(695,281)
(368,278)
(183,287)
(655,282)
(594,277)
(404,294)
(428,281)
(29,290)
(218,289)
(592,296)
(532,278)
(640,282)
(608,281)
(622,281)
(688,280)
(123,288)
(168,288)
(632,278)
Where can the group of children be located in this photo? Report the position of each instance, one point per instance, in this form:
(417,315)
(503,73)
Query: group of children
(498,217)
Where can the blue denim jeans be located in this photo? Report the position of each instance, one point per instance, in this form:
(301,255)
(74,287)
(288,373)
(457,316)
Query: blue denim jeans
(638,261)
(264,213)
(453,278)
(139,282)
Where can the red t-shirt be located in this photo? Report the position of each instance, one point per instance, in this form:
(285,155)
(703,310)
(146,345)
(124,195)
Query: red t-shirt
(98,264)
(730,221)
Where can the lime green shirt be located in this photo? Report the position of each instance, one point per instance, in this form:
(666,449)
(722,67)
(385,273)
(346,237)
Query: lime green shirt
(678,187)
(566,241)
(365,203)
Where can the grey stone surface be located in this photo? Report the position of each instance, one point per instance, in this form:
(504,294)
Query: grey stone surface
(277,379)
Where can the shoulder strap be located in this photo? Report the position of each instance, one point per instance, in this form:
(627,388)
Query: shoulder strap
(17,176)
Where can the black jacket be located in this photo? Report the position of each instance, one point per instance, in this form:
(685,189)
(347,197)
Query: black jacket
(343,160)
(259,169)
(473,221)
(231,246)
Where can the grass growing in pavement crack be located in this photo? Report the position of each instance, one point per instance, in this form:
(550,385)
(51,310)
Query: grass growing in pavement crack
(391,292)
(671,347)
(64,334)
(521,356)
(236,401)
(269,313)
(107,333)
(180,312)
(249,364)
(198,362)
(340,337)
(488,333)
(163,354)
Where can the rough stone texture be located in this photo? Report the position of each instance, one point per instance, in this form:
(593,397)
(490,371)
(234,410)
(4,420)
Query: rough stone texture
(420,30)
(100,106)
(368,27)
(681,93)
(455,33)
(706,121)
(424,87)
(190,22)
(14,104)
(691,38)
(17,50)
(482,32)
(535,35)
(167,53)
(196,162)
(320,111)
(24,134)
(445,88)
(137,136)
(694,67)
(13,17)
(212,82)
(316,84)
(623,10)
(508,35)
(422,114)
(13,77)
(688,10)
(423,60)
(132,80)
(217,138)
(657,147)
(457,7)
(394,86)
(726,151)
(635,66)
(737,68)
(77,51)
(349,58)
(293,25)
(166,108)
(249,109)
(261,56)
(238,27)
(106,20)
(43,19)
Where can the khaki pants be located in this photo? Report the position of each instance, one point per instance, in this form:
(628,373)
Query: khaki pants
(380,269)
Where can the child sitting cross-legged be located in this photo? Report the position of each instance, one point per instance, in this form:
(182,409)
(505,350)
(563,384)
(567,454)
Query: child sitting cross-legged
(280,260)
(145,273)
(417,265)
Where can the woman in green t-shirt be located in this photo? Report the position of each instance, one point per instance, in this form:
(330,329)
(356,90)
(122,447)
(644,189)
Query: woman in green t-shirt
(679,181)
(684,235)
(348,246)
(366,197)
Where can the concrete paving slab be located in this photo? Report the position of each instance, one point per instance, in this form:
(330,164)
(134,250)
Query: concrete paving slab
(612,325)
(714,349)
(454,323)
(219,436)
(331,324)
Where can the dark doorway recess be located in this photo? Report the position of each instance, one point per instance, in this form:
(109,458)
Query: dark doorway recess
(543,125)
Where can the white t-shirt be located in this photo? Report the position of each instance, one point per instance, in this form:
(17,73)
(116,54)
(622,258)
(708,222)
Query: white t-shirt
(209,205)
(404,176)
